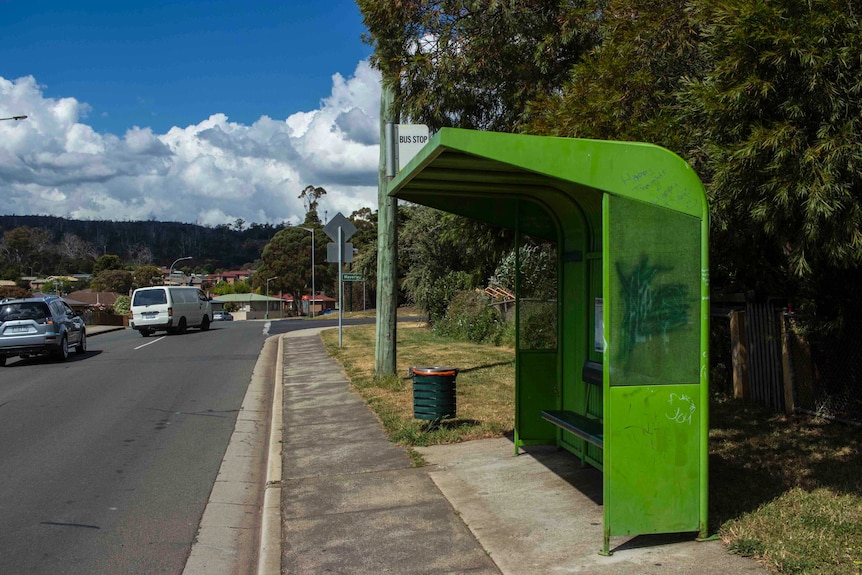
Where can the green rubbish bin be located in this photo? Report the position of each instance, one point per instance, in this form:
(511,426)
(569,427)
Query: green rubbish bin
(433,392)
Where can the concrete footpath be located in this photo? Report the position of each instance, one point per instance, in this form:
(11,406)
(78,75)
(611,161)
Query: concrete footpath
(352,503)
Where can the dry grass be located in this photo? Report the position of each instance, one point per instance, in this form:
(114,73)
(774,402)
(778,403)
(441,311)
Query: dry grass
(787,490)
(485,384)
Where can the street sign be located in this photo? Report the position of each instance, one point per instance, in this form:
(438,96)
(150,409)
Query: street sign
(411,139)
(346,252)
(351,277)
(339,221)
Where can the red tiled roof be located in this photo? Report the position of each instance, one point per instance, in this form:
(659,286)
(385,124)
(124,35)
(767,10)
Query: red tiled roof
(91,297)
(319,298)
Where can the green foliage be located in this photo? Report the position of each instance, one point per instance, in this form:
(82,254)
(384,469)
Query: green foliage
(538,324)
(781,124)
(145,276)
(436,298)
(476,64)
(107,262)
(122,305)
(626,88)
(222,288)
(288,258)
(469,317)
(538,265)
(432,244)
(119,281)
(25,250)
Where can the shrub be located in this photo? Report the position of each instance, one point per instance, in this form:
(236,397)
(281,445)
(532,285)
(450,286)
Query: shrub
(122,305)
(442,291)
(470,318)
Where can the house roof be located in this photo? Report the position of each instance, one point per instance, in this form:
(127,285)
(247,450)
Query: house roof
(90,297)
(319,298)
(243,298)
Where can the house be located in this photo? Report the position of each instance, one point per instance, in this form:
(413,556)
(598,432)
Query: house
(251,305)
(230,277)
(320,304)
(94,299)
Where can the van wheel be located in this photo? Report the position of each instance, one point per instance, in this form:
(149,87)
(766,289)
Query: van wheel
(205,324)
(182,326)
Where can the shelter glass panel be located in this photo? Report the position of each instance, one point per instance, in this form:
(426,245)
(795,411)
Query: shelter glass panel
(537,295)
(653,331)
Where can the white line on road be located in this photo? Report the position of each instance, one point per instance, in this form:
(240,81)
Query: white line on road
(151,342)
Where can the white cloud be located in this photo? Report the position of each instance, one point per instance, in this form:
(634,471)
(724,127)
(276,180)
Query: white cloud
(212,172)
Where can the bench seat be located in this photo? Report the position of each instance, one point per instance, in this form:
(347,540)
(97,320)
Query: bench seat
(588,429)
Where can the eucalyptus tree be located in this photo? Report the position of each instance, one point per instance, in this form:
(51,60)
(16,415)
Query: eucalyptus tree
(780,119)
(287,257)
(476,63)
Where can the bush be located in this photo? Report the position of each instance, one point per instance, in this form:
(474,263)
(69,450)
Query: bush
(122,305)
(470,318)
(441,292)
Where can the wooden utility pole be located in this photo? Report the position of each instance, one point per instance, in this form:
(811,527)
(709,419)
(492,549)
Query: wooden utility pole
(387,247)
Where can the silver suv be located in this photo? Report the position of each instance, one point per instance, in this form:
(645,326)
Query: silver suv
(40,326)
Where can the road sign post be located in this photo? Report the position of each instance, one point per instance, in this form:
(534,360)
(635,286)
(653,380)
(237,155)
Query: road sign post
(340,229)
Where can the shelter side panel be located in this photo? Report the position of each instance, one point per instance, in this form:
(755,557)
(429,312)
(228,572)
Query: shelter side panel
(653,317)
(536,391)
(652,460)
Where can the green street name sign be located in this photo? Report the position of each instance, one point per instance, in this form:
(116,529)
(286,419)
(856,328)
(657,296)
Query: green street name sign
(351,277)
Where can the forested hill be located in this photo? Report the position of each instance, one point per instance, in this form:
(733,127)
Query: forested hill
(223,247)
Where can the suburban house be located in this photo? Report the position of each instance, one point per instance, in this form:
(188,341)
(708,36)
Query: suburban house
(251,306)
(230,277)
(318,305)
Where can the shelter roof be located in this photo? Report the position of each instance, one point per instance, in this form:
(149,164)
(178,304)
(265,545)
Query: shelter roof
(495,177)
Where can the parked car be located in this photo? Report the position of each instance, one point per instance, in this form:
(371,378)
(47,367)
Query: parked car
(40,326)
(222,316)
(169,308)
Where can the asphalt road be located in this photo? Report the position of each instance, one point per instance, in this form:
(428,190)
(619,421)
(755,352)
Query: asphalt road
(107,460)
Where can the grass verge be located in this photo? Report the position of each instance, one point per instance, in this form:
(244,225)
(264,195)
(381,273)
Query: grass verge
(485,383)
(785,490)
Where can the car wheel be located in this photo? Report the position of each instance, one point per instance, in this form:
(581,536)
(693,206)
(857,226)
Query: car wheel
(144,332)
(82,346)
(182,326)
(205,324)
(62,353)
(2,360)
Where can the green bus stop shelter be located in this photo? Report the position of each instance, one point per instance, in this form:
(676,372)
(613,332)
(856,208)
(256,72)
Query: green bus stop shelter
(612,366)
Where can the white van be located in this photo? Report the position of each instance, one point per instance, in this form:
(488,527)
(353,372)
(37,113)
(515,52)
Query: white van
(169,308)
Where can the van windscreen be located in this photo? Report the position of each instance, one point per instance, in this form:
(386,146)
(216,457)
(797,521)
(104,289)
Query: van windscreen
(150,297)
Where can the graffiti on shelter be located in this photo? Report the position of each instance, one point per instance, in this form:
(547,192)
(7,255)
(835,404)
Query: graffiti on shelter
(652,308)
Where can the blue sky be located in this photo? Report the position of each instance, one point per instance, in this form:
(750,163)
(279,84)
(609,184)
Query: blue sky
(159,64)
(210,110)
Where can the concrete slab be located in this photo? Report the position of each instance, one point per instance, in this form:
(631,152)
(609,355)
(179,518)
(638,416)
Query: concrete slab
(426,538)
(540,513)
(351,502)
(329,495)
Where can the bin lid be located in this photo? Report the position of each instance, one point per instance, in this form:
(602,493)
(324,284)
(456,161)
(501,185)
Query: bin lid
(441,371)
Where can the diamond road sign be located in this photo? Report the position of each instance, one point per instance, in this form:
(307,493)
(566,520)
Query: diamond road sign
(339,221)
